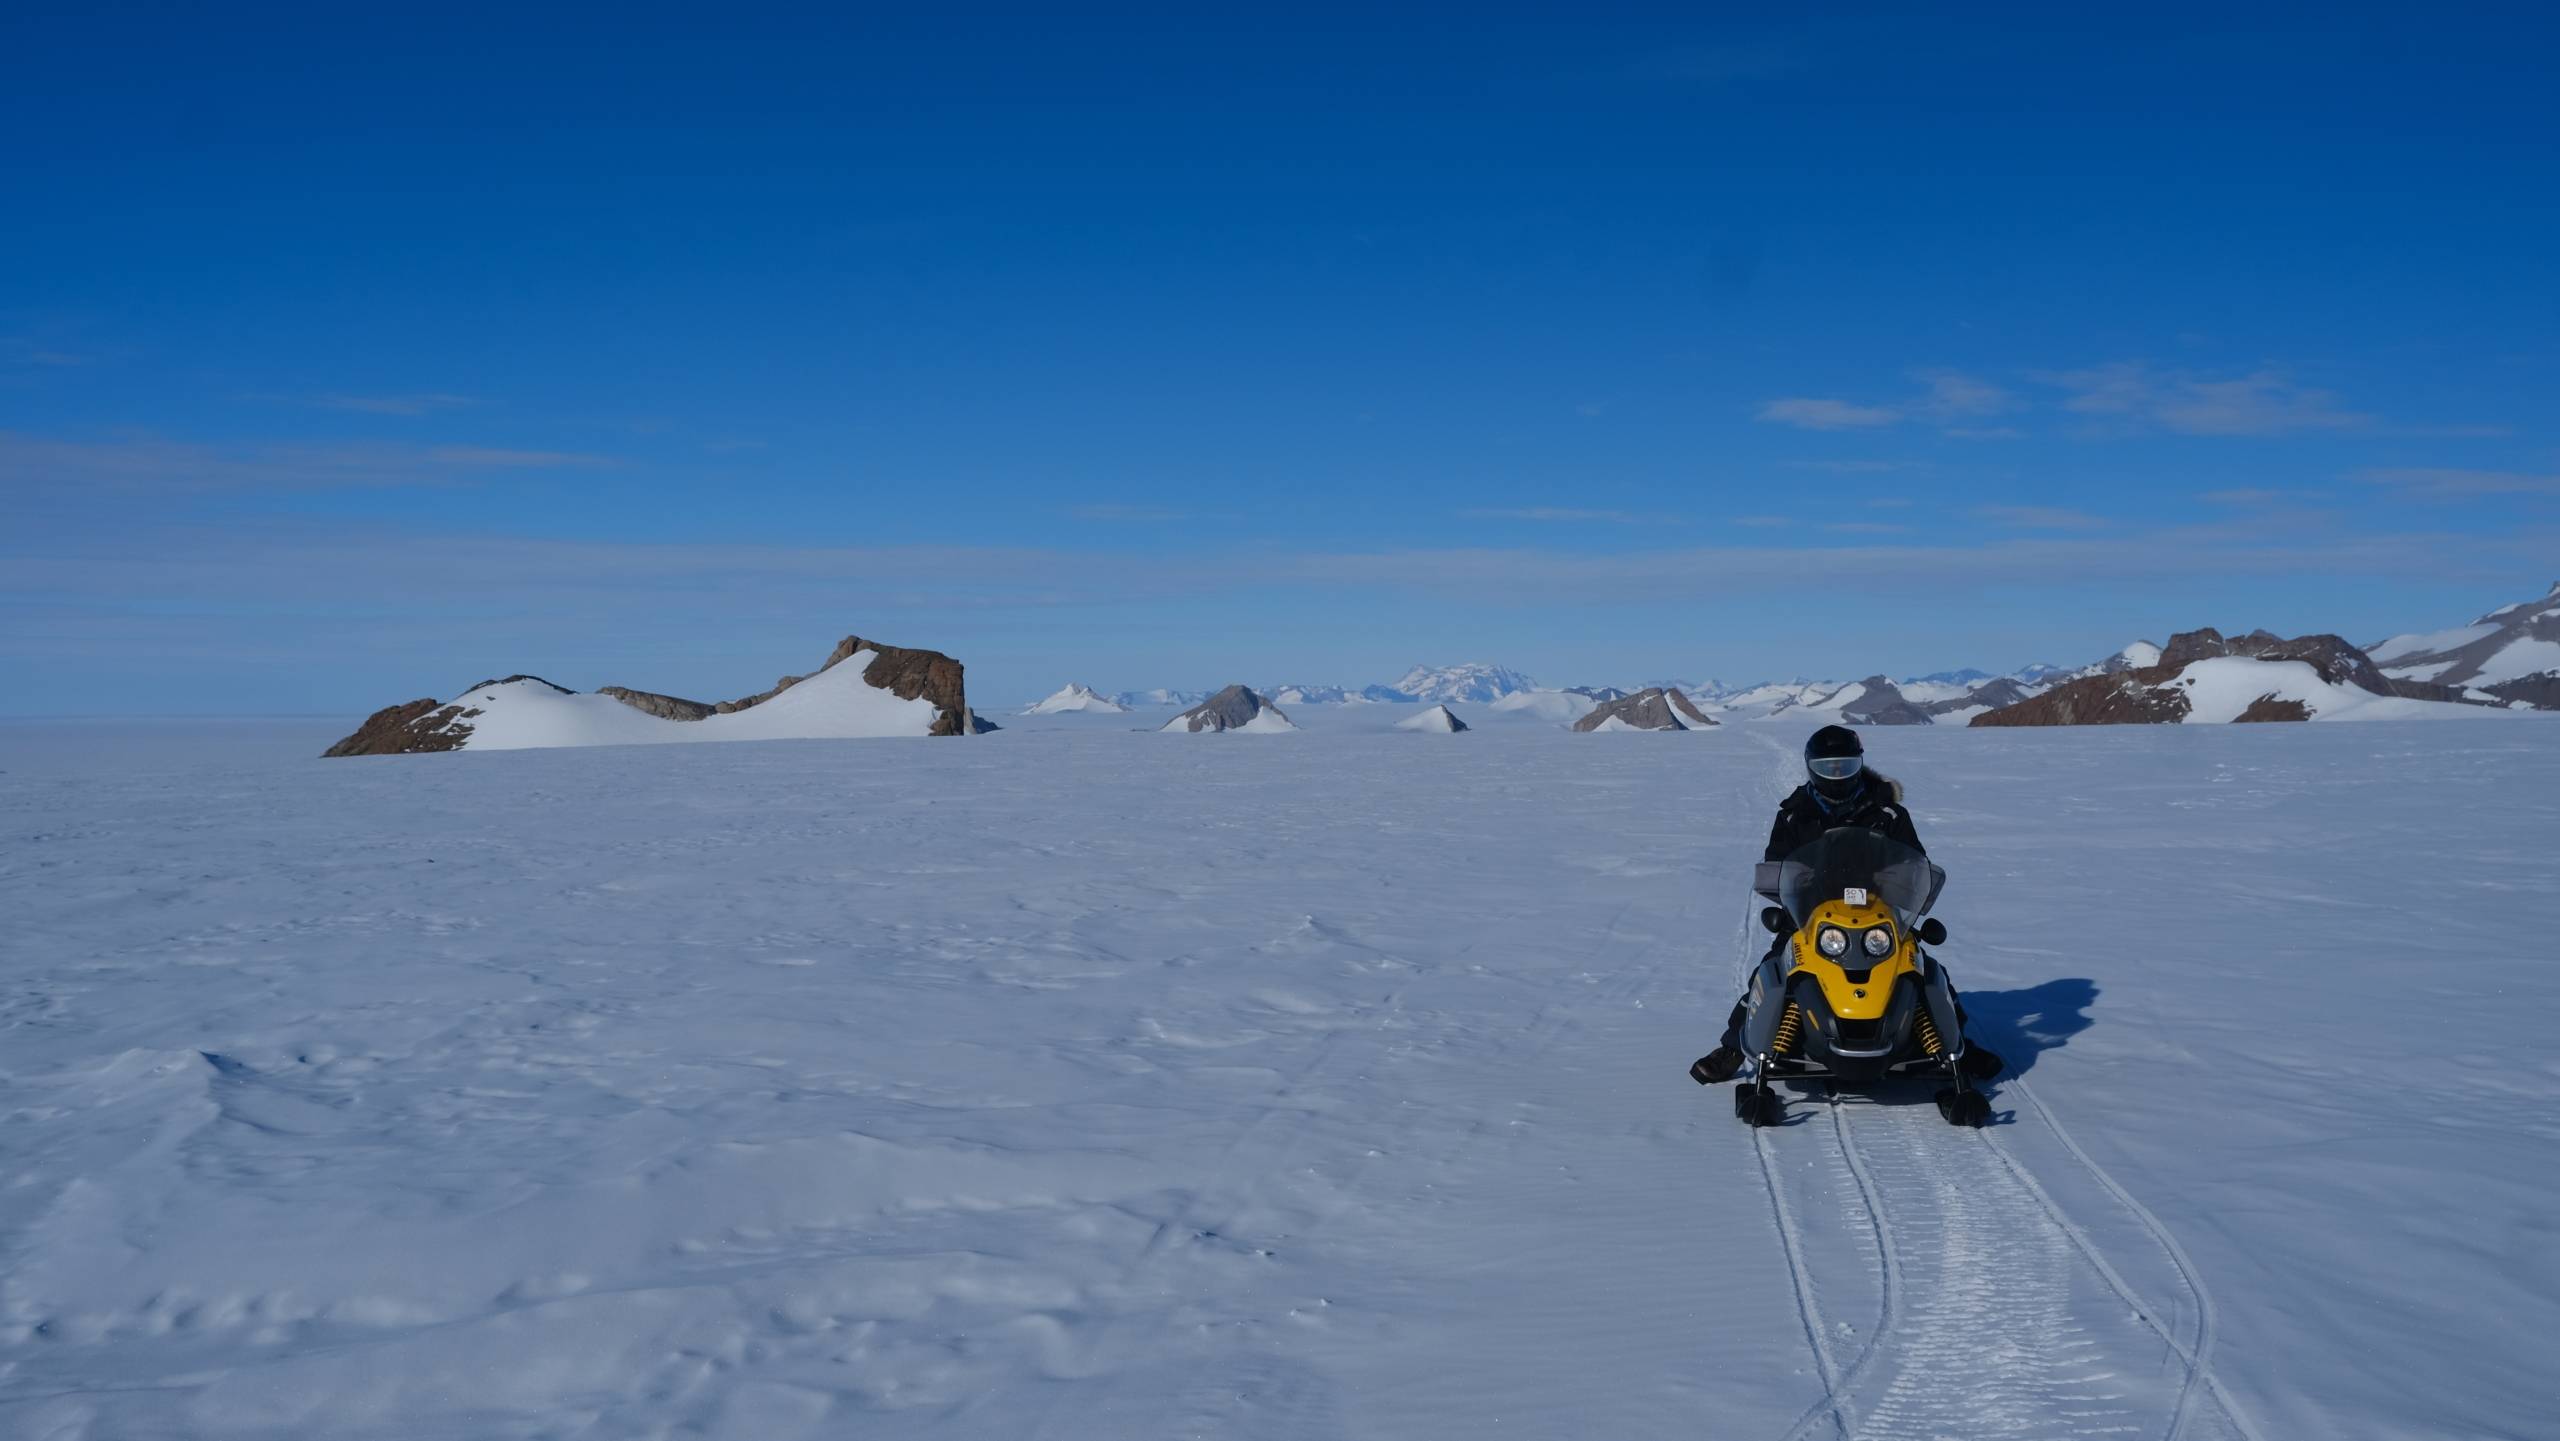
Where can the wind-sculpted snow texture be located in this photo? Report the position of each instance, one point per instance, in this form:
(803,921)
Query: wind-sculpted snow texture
(1074,1084)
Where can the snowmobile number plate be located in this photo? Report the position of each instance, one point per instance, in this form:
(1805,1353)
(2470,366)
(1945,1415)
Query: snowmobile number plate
(1854,895)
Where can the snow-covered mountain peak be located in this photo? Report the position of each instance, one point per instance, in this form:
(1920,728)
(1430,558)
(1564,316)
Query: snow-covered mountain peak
(1439,720)
(1140,699)
(2511,655)
(864,689)
(1072,698)
(1474,681)
(1237,708)
(1314,695)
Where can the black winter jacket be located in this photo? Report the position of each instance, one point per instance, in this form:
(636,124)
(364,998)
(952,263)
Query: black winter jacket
(1804,816)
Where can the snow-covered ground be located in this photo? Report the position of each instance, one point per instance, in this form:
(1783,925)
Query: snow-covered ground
(1079,1082)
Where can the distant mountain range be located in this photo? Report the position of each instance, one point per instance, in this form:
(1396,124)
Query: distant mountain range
(2507,658)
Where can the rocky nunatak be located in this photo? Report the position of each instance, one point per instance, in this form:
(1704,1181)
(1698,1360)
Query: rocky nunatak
(2144,695)
(428,725)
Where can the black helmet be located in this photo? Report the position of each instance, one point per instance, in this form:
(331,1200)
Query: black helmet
(1836,762)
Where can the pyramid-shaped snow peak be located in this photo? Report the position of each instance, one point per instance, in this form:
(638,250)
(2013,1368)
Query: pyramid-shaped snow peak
(1074,699)
(1237,708)
(1438,720)
(1652,709)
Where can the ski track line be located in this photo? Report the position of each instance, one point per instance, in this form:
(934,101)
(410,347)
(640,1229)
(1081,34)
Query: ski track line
(1985,1340)
(1791,1245)
(1986,1302)
(2199,1359)
(1833,1401)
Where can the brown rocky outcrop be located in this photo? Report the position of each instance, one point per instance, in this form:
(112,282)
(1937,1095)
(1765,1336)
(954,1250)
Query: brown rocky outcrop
(910,674)
(2144,695)
(1655,708)
(2338,661)
(2133,697)
(421,725)
(2270,708)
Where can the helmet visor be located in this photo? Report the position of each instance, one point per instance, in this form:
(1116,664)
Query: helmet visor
(1836,768)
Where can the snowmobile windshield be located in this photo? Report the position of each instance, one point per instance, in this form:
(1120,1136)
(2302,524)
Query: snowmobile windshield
(1854,858)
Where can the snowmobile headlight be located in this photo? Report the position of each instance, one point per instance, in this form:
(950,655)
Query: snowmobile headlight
(1879,940)
(1833,941)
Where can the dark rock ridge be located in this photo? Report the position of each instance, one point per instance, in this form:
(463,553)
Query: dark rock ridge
(2144,696)
(1230,709)
(1654,708)
(664,707)
(1995,693)
(421,726)
(2268,708)
(1882,703)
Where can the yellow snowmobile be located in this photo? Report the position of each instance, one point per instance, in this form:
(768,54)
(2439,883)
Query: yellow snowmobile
(1848,994)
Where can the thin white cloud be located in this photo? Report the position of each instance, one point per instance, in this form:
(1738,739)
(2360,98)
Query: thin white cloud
(387,404)
(1104,511)
(2039,517)
(20,350)
(490,458)
(1858,467)
(2449,484)
(1555,513)
(2121,387)
(2264,402)
(1954,395)
(1948,396)
(1817,413)
(2260,496)
(151,464)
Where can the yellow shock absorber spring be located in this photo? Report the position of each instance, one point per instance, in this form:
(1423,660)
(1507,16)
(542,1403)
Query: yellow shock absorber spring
(1790,1028)
(1928,1028)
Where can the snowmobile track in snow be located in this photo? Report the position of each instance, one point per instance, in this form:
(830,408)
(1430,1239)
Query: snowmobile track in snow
(1995,1314)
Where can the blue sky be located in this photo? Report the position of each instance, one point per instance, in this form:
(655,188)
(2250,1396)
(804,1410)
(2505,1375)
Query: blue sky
(346,358)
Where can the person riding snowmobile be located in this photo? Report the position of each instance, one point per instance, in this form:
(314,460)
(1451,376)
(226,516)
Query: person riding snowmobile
(1839,791)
